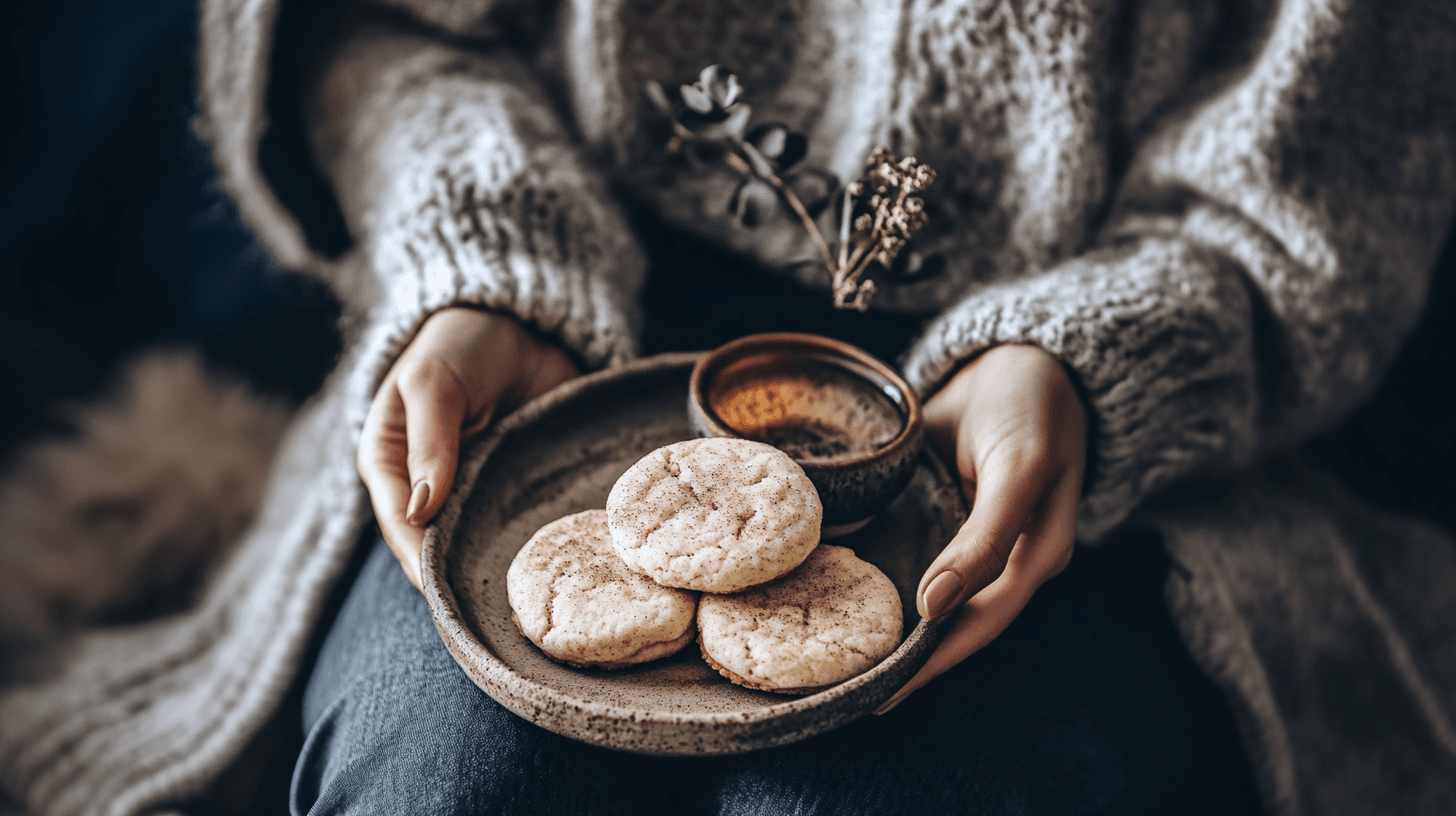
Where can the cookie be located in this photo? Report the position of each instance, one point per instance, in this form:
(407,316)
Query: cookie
(832,618)
(571,596)
(715,515)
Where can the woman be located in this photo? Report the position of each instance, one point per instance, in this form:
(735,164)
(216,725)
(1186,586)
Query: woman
(1167,241)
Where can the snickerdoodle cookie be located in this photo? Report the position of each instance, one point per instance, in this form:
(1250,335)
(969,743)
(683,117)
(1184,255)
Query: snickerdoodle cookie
(571,596)
(715,515)
(832,618)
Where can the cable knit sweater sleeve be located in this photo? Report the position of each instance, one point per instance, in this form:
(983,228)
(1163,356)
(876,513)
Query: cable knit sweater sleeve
(456,179)
(461,185)
(1267,253)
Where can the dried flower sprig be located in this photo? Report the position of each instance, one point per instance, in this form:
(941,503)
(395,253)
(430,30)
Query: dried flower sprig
(881,212)
(878,215)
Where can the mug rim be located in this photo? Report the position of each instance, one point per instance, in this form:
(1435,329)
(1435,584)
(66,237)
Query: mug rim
(712,362)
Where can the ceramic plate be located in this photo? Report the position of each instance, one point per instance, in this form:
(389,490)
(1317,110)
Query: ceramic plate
(560,454)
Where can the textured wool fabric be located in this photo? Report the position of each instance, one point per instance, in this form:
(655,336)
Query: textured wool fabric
(1220,219)
(1331,627)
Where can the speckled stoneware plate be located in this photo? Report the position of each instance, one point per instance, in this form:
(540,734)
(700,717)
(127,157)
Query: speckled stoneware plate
(560,454)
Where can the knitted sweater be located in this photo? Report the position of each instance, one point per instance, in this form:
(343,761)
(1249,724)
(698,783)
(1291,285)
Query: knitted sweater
(1219,216)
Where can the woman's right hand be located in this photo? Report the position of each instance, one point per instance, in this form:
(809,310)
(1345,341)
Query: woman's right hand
(463,368)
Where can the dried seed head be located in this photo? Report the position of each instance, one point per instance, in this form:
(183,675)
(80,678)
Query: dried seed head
(919,178)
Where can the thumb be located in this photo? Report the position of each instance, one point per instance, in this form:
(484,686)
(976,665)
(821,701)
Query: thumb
(1004,500)
(434,408)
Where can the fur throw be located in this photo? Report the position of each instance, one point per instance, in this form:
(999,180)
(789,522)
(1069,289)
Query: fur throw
(119,520)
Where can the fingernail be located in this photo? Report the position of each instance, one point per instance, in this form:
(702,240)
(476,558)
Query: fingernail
(418,499)
(892,702)
(942,592)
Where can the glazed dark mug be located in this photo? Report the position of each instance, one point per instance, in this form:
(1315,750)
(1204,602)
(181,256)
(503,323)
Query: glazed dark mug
(849,420)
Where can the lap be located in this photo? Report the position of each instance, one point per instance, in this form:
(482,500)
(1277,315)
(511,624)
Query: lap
(394,726)
(1078,708)
(1069,711)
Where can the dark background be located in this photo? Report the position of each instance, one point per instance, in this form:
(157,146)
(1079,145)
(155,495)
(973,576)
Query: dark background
(113,234)
(114,237)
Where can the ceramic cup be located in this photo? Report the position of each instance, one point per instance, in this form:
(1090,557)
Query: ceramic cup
(848,419)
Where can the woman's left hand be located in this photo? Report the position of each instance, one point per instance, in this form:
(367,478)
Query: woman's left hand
(1019,433)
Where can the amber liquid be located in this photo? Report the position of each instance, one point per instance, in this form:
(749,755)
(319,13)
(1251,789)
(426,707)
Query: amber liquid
(812,412)
(807,439)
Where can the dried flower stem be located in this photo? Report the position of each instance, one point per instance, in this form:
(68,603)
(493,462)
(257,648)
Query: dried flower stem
(886,222)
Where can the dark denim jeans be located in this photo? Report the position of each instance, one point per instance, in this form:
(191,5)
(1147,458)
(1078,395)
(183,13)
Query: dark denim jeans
(1086,704)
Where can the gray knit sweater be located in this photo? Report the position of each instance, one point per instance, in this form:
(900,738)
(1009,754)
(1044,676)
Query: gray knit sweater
(1219,216)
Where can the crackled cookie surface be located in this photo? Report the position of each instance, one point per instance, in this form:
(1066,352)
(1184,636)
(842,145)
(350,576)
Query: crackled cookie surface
(832,618)
(572,597)
(716,515)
